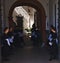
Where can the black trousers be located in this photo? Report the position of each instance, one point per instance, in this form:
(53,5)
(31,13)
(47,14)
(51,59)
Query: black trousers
(53,51)
(4,52)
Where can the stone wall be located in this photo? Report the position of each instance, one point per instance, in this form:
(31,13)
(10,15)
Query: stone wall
(0,29)
(59,20)
(0,18)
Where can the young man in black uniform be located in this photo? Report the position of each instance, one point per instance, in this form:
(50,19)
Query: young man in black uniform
(5,44)
(53,44)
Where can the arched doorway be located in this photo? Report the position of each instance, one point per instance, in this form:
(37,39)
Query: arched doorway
(41,22)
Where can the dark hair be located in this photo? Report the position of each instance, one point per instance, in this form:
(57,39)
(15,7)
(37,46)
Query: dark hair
(5,28)
(10,27)
(53,27)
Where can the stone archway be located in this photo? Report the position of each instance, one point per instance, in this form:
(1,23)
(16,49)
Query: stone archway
(41,13)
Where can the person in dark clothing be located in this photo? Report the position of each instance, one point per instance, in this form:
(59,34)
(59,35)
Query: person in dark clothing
(11,36)
(53,44)
(11,40)
(5,44)
(16,37)
(33,34)
(34,37)
(38,38)
(21,40)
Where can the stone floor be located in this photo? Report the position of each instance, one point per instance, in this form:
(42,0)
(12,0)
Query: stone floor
(30,55)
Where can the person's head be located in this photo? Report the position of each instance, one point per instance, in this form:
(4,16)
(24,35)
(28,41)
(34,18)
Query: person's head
(33,25)
(6,30)
(53,29)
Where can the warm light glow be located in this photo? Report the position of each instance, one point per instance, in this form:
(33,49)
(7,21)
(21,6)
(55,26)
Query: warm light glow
(28,18)
(21,11)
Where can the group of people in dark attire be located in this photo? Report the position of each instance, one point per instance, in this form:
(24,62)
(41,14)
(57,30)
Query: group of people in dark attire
(52,41)
(14,38)
(4,44)
(10,39)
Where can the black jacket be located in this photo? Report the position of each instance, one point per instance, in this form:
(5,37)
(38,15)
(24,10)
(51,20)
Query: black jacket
(3,39)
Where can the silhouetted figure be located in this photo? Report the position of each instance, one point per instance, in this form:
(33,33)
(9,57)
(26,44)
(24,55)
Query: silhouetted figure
(53,44)
(11,39)
(38,37)
(33,35)
(5,44)
(21,40)
(18,37)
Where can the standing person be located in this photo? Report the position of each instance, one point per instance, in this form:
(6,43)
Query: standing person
(11,40)
(53,44)
(11,36)
(38,38)
(16,37)
(5,44)
(21,40)
(33,35)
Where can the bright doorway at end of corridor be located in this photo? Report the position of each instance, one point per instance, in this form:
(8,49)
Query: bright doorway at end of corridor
(24,17)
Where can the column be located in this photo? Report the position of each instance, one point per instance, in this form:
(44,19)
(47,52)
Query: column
(2,14)
(59,19)
(0,28)
(50,12)
(59,23)
(0,19)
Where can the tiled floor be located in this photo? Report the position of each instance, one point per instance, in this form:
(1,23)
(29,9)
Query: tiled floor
(30,55)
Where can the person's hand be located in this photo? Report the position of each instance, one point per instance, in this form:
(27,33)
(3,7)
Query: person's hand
(50,43)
